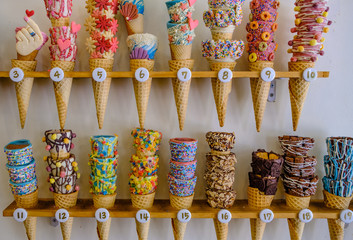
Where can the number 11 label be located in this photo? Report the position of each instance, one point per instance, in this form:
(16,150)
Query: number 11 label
(266,215)
(62,215)
(20,214)
(268,74)
(224,216)
(184,216)
(102,215)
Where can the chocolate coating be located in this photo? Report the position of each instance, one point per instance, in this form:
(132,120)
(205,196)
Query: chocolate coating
(220,199)
(296,146)
(220,141)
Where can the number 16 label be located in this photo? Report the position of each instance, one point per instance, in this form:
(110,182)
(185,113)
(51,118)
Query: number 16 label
(184,216)
(266,215)
(268,74)
(346,216)
(224,216)
(62,215)
(102,215)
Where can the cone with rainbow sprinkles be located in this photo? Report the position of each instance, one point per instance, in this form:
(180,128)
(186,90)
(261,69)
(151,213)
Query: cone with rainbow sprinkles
(143,177)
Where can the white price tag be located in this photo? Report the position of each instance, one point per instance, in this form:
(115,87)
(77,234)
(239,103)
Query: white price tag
(268,74)
(99,74)
(266,215)
(346,216)
(143,216)
(20,214)
(102,215)
(184,74)
(184,216)
(16,74)
(62,215)
(225,75)
(142,74)
(306,215)
(224,216)
(310,74)
(56,74)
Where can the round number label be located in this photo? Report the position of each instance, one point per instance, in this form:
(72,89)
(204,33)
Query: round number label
(16,74)
(266,215)
(142,74)
(184,216)
(310,74)
(268,74)
(20,214)
(102,215)
(225,75)
(56,74)
(143,216)
(224,216)
(99,74)
(184,74)
(62,215)
(306,215)
(347,216)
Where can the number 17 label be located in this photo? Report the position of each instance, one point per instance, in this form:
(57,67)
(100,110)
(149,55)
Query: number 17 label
(266,215)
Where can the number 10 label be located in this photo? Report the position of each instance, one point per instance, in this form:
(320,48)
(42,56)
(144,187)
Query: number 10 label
(310,74)
(62,215)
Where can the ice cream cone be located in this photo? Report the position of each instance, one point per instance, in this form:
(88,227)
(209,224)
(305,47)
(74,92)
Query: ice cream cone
(62,90)
(296,227)
(101,89)
(104,201)
(336,226)
(60,22)
(24,87)
(256,200)
(225,34)
(30,57)
(259,91)
(298,89)
(180,52)
(142,89)
(135,26)
(181,89)
(28,201)
(221,229)
(221,90)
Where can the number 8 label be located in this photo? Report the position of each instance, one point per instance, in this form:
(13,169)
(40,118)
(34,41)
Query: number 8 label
(184,74)
(102,215)
(347,216)
(266,215)
(16,74)
(224,216)
(225,75)
(268,74)
(56,74)
(184,216)
(142,74)
(62,215)
(310,74)
(306,215)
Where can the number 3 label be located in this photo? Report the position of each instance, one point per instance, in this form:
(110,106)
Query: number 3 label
(268,74)
(142,74)
(346,216)
(16,74)
(225,75)
(224,216)
(56,74)
(184,216)
(62,215)
(99,74)
(306,215)
(266,215)
(102,215)
(143,216)
(310,74)
(184,74)
(20,214)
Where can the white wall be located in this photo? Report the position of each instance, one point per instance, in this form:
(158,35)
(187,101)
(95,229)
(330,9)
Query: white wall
(327,112)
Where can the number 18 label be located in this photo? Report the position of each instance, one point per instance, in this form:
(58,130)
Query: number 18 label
(266,215)
(143,216)
(346,216)
(102,215)
(306,215)
(62,215)
(184,216)
(224,216)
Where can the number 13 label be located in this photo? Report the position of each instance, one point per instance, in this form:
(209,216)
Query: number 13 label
(224,216)
(225,75)
(102,215)
(268,74)
(143,216)
(62,215)
(346,216)
(266,215)
(184,216)
(16,74)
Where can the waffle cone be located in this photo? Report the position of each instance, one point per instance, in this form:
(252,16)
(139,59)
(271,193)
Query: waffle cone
(142,201)
(221,229)
(60,22)
(24,88)
(135,26)
(298,89)
(217,35)
(180,52)
(336,229)
(180,202)
(66,228)
(101,89)
(65,200)
(30,57)
(62,90)
(142,89)
(257,228)
(103,229)
(296,227)
(221,90)
(179,229)
(104,201)
(142,229)
(259,91)
(30,225)
(336,202)
(181,89)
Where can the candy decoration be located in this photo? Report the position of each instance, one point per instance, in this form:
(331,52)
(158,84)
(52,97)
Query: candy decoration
(133,12)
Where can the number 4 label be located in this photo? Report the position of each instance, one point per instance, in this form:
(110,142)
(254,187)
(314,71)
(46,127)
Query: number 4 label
(143,216)
(102,215)
(347,216)
(310,74)
(62,215)
(224,216)
(16,74)
(266,215)
(184,216)
(56,74)
(20,214)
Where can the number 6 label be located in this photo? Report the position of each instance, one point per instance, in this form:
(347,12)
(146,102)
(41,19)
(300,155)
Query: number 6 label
(346,216)
(62,215)
(16,74)
(266,215)
(224,216)
(142,74)
(184,74)
(99,74)
(20,214)
(225,75)
(306,215)
(143,216)
(56,74)
(184,216)
(102,215)
(268,74)
(310,74)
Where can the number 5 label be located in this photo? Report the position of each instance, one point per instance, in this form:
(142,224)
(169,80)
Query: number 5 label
(224,216)
(184,216)
(20,214)
(346,216)
(225,75)
(266,215)
(143,216)
(99,74)
(142,74)
(102,215)
(16,74)
(310,74)
(184,74)
(268,74)
(306,215)
(56,74)
(62,215)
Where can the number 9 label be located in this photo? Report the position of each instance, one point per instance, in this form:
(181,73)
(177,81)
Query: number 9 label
(224,216)
(142,74)
(143,216)
(310,74)
(266,215)
(184,74)
(184,216)
(20,214)
(346,216)
(102,215)
(306,215)
(99,74)
(62,215)
(268,74)
(225,75)
(16,74)
(56,74)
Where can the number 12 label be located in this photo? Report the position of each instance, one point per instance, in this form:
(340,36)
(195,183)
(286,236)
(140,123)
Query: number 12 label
(62,215)
(268,74)
(184,216)
(266,215)
(224,216)
(143,216)
(346,216)
(102,215)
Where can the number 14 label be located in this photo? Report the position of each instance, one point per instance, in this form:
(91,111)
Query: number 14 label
(143,216)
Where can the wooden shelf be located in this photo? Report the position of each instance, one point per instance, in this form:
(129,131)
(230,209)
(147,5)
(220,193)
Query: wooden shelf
(162,209)
(203,74)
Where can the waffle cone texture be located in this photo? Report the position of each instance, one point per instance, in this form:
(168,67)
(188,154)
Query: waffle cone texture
(135,26)
(179,203)
(221,229)
(107,202)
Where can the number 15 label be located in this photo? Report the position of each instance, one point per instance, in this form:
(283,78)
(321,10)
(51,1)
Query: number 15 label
(184,216)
